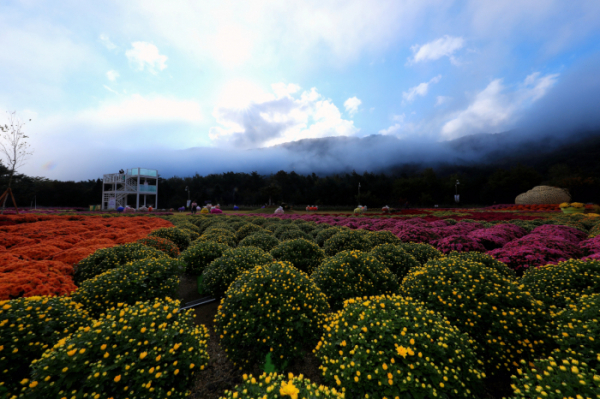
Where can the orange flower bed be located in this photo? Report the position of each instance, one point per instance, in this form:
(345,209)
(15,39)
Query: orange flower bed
(37,252)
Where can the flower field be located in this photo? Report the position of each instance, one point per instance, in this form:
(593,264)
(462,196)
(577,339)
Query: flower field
(426,303)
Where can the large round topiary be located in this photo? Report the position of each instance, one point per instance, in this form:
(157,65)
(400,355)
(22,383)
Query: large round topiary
(264,241)
(505,321)
(186,224)
(303,254)
(389,346)
(326,234)
(487,260)
(220,236)
(276,386)
(179,237)
(192,234)
(557,377)
(284,228)
(350,240)
(423,253)
(29,326)
(248,229)
(578,329)
(294,235)
(220,273)
(395,258)
(199,255)
(146,350)
(140,280)
(351,274)
(556,285)
(108,258)
(383,237)
(274,308)
(162,244)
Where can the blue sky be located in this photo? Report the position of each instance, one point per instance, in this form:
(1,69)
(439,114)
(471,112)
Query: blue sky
(115,84)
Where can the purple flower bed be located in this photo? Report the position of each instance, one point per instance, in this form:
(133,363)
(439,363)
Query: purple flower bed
(458,243)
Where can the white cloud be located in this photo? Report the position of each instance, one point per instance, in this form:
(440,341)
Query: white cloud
(442,47)
(145,54)
(442,100)
(494,108)
(351,105)
(106,42)
(419,90)
(111,90)
(264,119)
(112,75)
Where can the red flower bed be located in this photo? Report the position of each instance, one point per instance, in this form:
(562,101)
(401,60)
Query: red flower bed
(37,252)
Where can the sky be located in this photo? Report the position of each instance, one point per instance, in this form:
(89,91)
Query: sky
(199,86)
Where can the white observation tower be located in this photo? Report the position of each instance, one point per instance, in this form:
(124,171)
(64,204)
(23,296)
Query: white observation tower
(117,187)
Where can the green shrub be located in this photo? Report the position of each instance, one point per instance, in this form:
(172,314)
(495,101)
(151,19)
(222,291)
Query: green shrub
(178,236)
(350,240)
(423,253)
(149,349)
(186,224)
(389,346)
(450,221)
(259,221)
(220,273)
(383,237)
(221,236)
(284,228)
(578,329)
(192,234)
(557,285)
(109,258)
(395,258)
(29,326)
(306,227)
(275,385)
(352,274)
(487,260)
(270,226)
(271,308)
(246,230)
(264,241)
(162,244)
(506,322)
(294,235)
(200,254)
(559,376)
(325,235)
(303,254)
(140,280)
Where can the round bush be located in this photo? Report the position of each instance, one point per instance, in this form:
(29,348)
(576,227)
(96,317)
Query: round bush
(29,326)
(294,235)
(395,258)
(140,280)
(162,244)
(325,235)
(383,237)
(578,329)
(556,285)
(423,253)
(271,226)
(352,274)
(558,376)
(458,243)
(272,308)
(220,273)
(246,230)
(222,228)
(185,224)
(350,240)
(150,349)
(193,235)
(389,346)
(506,322)
(178,236)
(220,236)
(276,386)
(109,258)
(200,254)
(303,254)
(264,241)
(487,260)
(284,228)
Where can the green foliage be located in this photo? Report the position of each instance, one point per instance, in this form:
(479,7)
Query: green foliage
(423,253)
(487,260)
(186,224)
(192,234)
(325,235)
(109,258)
(350,240)
(389,346)
(383,237)
(272,308)
(351,274)
(276,386)
(248,229)
(162,244)
(220,273)
(284,228)
(557,285)
(264,241)
(178,236)
(219,235)
(29,326)
(199,255)
(303,254)
(395,258)
(294,235)
(149,349)
(140,280)
(506,322)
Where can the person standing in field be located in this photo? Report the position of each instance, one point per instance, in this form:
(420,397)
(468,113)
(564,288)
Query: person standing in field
(194,206)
